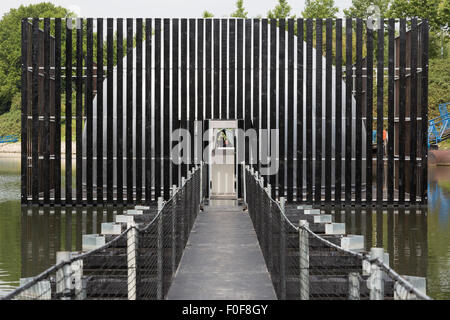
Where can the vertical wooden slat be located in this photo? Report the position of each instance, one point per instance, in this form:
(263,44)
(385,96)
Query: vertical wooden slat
(369,113)
(348,110)
(88,108)
(175,93)
(318,106)
(282,105)
(184,101)
(192,87)
(110,110)
(328,110)
(232,70)
(300,123)
(129,111)
(46,109)
(57,134)
(264,100)
(309,166)
(200,100)
(290,113)
(166,111)
(273,97)
(239,69)
(148,110)
(380,113)
(79,114)
(138,174)
(224,70)
(358,98)
(247,85)
(200,50)
(391,134)
(68,112)
(413,112)
(424,114)
(99,110)
(256,93)
(339,114)
(35,111)
(119,117)
(25,44)
(402,113)
(157,109)
(216,81)
(208,87)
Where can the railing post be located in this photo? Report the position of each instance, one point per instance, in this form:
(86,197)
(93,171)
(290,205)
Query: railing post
(244,169)
(353,286)
(304,259)
(159,291)
(78,283)
(282,251)
(183,213)
(174,229)
(63,276)
(201,181)
(131,259)
(270,232)
(376,279)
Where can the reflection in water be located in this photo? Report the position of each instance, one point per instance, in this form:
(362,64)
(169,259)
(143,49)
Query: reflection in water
(48,230)
(418,242)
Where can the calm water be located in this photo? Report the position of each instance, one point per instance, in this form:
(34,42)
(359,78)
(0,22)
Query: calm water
(418,242)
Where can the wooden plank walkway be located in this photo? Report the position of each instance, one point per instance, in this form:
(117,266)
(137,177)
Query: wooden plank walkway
(222,259)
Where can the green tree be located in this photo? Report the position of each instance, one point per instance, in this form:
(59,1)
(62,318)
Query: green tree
(358,9)
(437,12)
(281,11)
(207,14)
(424,9)
(10,46)
(240,10)
(320,9)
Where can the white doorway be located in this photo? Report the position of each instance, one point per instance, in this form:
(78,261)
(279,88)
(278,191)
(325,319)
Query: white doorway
(222,167)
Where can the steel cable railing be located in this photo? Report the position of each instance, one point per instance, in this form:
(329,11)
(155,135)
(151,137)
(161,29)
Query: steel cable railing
(306,263)
(138,263)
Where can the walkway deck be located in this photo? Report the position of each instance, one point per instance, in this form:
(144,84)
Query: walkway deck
(222,259)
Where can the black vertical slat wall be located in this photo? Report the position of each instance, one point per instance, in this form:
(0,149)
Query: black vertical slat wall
(285,74)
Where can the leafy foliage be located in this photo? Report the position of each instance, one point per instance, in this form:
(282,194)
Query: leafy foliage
(358,9)
(207,14)
(320,9)
(281,11)
(240,10)
(10,46)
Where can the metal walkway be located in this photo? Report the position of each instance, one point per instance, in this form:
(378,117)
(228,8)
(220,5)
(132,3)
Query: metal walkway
(222,259)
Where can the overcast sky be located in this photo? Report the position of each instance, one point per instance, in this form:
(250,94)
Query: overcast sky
(163,8)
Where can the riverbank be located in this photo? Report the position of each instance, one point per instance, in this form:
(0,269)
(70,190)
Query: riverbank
(12,150)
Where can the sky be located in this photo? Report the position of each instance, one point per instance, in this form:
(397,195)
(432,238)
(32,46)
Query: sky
(164,8)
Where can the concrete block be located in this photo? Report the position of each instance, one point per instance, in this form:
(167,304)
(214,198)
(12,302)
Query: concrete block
(311,211)
(353,242)
(111,228)
(304,206)
(335,228)
(124,219)
(323,218)
(92,241)
(41,290)
(400,293)
(141,208)
(135,212)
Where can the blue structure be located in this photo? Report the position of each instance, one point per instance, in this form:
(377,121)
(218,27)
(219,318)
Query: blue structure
(439,128)
(10,138)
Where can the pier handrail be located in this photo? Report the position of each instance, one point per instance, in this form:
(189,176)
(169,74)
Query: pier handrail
(261,205)
(64,277)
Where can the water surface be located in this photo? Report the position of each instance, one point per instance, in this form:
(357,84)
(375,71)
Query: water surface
(418,241)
